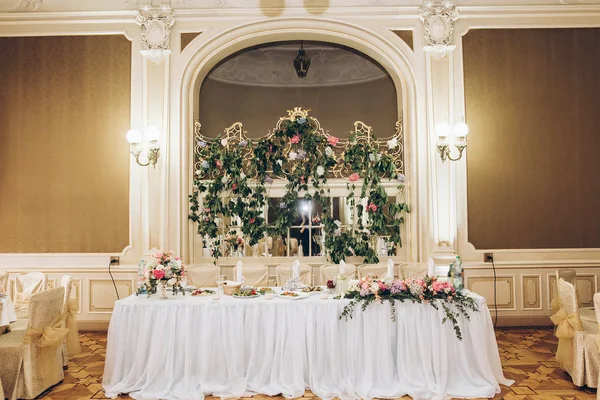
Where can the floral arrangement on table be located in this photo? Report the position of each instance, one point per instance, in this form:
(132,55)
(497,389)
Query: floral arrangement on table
(166,270)
(234,242)
(427,290)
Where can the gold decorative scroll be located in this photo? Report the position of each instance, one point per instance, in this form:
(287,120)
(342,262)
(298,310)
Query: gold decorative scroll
(363,133)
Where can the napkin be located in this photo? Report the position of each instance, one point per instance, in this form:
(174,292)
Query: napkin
(296,270)
(342,267)
(431,267)
(239,276)
(390,268)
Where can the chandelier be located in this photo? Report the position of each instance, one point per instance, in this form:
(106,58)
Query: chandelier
(301,62)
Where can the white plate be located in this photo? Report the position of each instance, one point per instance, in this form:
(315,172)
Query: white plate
(299,297)
(246,297)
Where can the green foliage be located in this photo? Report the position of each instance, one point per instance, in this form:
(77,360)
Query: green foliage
(232,179)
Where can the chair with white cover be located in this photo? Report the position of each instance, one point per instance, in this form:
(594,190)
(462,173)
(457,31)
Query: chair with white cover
(32,358)
(587,314)
(72,345)
(3,282)
(27,284)
(254,275)
(412,270)
(203,275)
(577,351)
(331,271)
(378,270)
(283,274)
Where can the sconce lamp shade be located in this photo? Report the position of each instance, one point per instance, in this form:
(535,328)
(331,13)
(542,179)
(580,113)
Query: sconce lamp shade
(134,136)
(443,129)
(461,130)
(151,133)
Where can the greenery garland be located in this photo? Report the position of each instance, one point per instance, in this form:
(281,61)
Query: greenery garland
(233,174)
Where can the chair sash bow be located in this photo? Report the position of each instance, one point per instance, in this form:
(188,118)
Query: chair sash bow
(47,340)
(567,325)
(70,318)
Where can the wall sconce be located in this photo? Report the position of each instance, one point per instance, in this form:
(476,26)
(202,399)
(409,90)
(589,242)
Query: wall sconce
(459,133)
(149,144)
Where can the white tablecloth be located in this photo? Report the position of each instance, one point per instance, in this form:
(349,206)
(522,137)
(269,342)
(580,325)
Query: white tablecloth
(8,313)
(187,348)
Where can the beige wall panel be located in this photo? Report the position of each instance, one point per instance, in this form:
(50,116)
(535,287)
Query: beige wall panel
(532,292)
(505,290)
(586,288)
(102,293)
(336,107)
(533,158)
(64,164)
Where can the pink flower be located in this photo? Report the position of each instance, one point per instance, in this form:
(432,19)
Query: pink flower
(302,179)
(206,210)
(372,207)
(234,186)
(332,140)
(159,274)
(219,164)
(353,177)
(251,220)
(382,286)
(295,139)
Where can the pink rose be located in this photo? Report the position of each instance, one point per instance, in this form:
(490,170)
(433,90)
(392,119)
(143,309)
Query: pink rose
(207,210)
(251,220)
(295,139)
(219,164)
(372,207)
(159,274)
(353,177)
(332,140)
(234,186)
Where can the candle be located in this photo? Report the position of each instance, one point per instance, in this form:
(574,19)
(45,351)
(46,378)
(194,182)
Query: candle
(390,268)
(239,276)
(296,270)
(342,267)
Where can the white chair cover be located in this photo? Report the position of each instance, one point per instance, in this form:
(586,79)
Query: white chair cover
(330,272)
(577,351)
(32,358)
(412,270)
(3,283)
(203,275)
(284,273)
(254,275)
(378,270)
(70,307)
(26,285)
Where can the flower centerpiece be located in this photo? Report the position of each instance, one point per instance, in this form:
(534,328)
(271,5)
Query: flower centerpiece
(427,290)
(164,270)
(235,244)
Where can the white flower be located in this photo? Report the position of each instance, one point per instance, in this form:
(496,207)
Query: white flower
(279,162)
(171,281)
(224,142)
(374,157)
(392,143)
(217,221)
(320,170)
(225,179)
(374,287)
(160,267)
(293,155)
(401,178)
(329,152)
(198,172)
(242,175)
(337,223)
(353,285)
(337,232)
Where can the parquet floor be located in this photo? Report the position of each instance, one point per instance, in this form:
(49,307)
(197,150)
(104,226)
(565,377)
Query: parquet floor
(527,357)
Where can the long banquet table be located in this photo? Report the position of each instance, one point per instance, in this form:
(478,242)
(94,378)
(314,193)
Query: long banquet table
(188,347)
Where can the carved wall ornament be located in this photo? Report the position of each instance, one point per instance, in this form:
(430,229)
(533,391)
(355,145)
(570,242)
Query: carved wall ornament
(156,26)
(438,18)
(28,5)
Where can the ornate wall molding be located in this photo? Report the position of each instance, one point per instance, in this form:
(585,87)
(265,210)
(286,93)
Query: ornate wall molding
(438,18)
(27,5)
(156,26)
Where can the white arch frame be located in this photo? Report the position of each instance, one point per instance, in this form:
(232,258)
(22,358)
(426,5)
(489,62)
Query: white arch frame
(205,51)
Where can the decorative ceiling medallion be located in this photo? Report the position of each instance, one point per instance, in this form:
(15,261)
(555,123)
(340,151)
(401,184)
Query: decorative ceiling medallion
(438,18)
(156,26)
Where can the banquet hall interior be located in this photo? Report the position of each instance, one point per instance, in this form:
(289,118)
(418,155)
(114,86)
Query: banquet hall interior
(337,199)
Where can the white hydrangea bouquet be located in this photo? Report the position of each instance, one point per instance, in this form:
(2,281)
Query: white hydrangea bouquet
(164,270)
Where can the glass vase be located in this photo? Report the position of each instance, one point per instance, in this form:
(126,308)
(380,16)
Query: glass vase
(163,291)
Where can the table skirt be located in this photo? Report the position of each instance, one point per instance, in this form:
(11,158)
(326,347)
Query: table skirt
(180,349)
